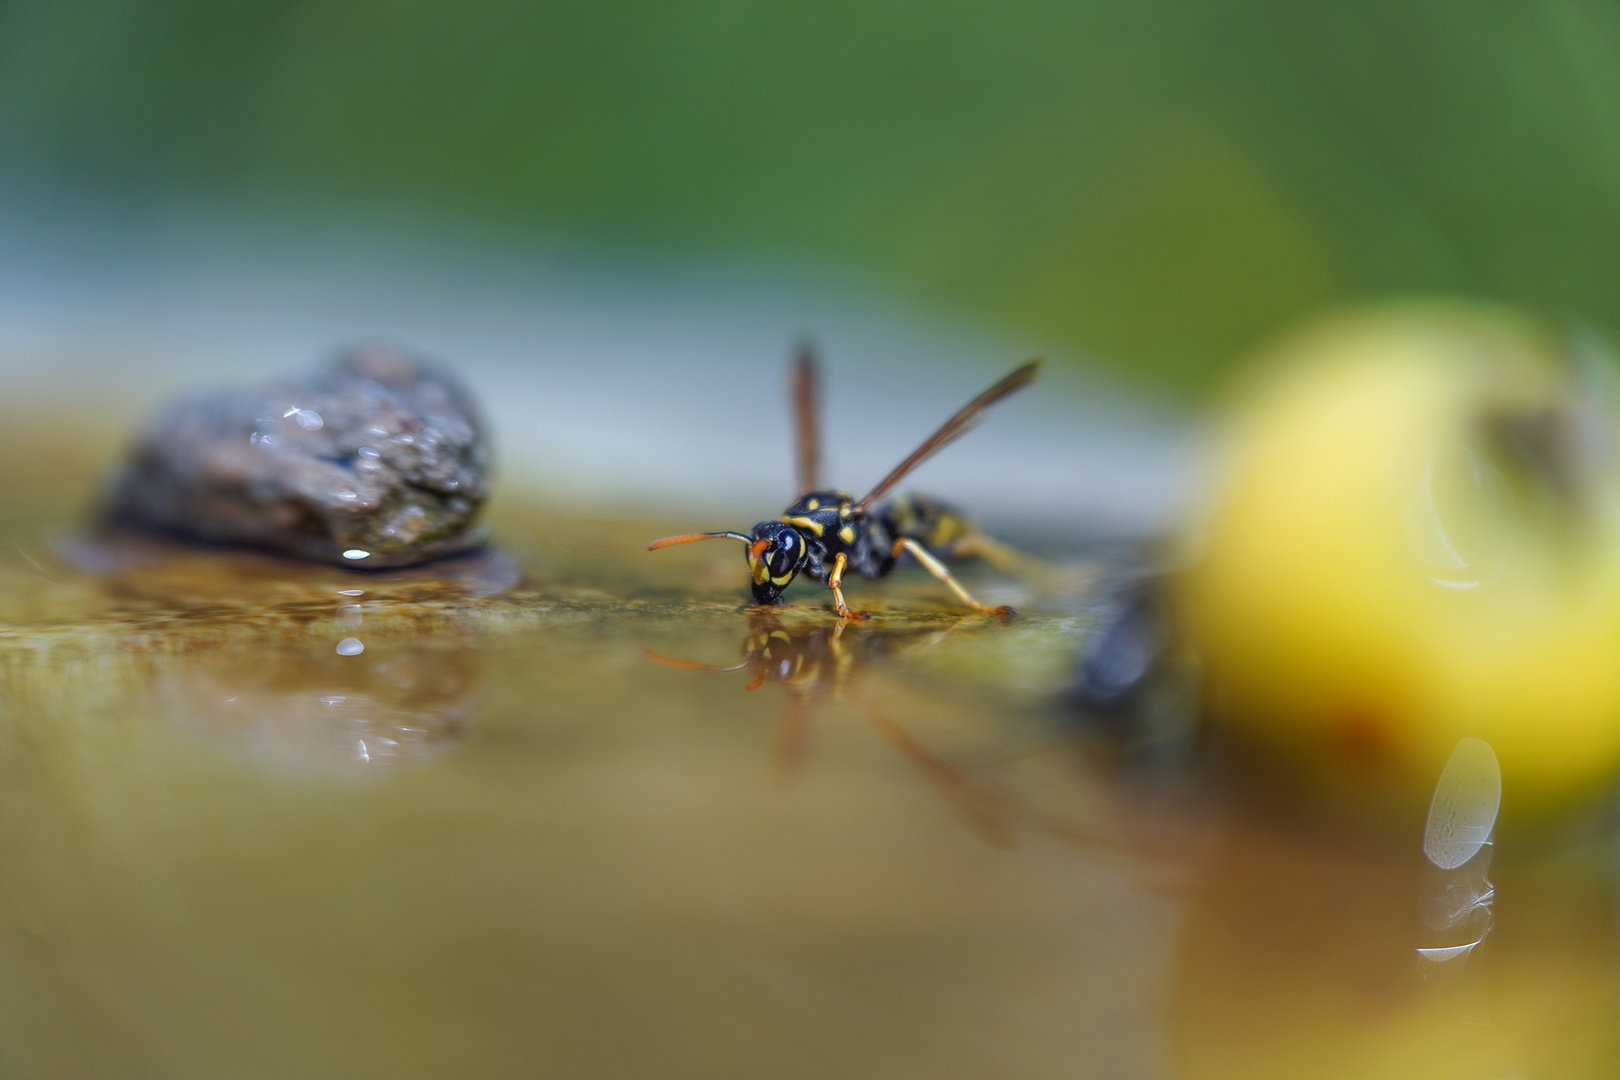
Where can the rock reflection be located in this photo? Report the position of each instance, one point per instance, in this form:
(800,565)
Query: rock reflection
(140,574)
(325,711)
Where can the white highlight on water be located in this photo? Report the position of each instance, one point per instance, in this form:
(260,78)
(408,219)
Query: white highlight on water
(1463,810)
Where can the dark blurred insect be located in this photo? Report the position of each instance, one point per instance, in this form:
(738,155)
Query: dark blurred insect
(828,533)
(1136,691)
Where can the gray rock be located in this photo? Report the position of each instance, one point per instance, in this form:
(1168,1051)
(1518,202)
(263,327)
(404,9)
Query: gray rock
(374,460)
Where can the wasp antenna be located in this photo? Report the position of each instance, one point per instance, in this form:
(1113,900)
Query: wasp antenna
(687,538)
(689,665)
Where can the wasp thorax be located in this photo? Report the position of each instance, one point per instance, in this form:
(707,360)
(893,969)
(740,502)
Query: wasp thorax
(775,555)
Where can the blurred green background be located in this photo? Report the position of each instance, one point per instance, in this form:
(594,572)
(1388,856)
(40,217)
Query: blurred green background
(1155,185)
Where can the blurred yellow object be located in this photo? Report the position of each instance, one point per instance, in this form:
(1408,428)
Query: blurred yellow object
(1296,963)
(1415,538)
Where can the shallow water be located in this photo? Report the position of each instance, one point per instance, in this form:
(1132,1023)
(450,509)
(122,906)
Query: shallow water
(526,831)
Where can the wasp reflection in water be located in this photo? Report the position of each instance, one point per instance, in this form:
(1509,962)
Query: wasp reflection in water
(812,662)
(817,662)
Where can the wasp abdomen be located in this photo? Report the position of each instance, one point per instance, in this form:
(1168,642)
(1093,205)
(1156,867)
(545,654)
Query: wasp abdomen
(932,524)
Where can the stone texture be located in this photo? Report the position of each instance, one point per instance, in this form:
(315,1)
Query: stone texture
(375,455)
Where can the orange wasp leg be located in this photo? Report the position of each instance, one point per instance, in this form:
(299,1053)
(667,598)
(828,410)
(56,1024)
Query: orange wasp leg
(835,582)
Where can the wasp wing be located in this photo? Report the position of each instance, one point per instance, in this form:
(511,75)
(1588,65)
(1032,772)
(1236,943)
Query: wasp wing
(954,428)
(807,421)
(793,736)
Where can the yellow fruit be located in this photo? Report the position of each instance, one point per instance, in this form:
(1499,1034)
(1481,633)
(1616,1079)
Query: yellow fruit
(1414,537)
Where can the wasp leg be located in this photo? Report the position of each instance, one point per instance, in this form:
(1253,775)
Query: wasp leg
(835,582)
(1007,559)
(988,815)
(1054,580)
(937,568)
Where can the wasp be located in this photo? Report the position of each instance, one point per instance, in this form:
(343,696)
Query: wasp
(827,534)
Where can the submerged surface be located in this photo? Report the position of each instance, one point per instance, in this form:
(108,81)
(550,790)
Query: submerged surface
(264,819)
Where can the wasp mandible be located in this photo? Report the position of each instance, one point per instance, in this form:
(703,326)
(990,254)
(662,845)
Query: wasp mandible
(828,533)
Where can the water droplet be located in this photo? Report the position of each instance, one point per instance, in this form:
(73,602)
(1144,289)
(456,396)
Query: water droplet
(357,553)
(1452,952)
(310,420)
(351,646)
(1463,810)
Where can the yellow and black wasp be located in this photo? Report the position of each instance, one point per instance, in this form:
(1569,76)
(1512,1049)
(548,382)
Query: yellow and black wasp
(828,533)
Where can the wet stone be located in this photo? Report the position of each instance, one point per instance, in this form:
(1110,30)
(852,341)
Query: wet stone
(373,460)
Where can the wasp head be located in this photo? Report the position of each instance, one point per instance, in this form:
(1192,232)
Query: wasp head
(776,553)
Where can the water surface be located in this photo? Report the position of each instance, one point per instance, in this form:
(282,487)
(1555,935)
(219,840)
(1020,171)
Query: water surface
(260,819)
